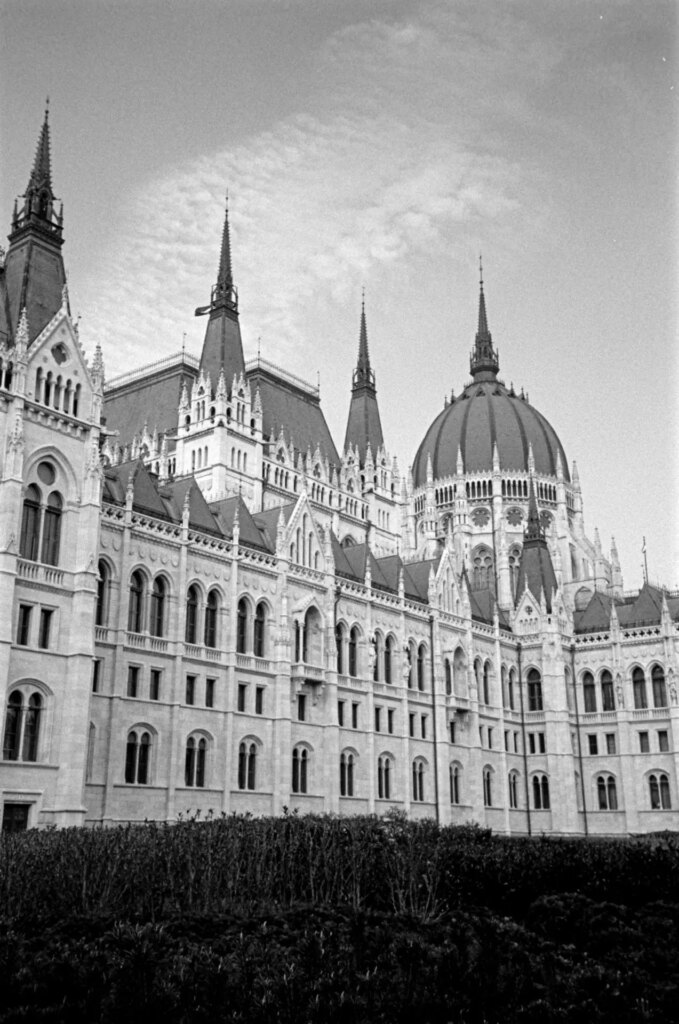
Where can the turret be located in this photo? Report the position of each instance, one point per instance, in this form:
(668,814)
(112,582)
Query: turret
(34,268)
(364,427)
(222,347)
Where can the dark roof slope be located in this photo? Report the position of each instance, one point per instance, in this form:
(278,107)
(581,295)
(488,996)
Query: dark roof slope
(147,397)
(294,409)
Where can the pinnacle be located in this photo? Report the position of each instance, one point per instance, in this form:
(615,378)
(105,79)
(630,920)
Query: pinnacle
(41,175)
(224,274)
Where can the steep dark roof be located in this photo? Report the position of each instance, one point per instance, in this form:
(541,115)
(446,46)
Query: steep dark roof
(267,522)
(364,426)
(147,397)
(296,410)
(249,534)
(174,495)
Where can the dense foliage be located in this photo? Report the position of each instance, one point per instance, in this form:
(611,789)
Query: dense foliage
(332,919)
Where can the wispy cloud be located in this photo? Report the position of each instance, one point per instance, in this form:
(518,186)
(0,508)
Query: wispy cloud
(373,175)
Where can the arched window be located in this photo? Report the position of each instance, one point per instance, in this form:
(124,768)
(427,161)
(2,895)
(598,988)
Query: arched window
(607,692)
(659,688)
(260,630)
(353,652)
(22,727)
(606,793)
(135,615)
(589,692)
(418,780)
(455,774)
(30,525)
(191,630)
(389,648)
(421,659)
(211,609)
(247,765)
(409,658)
(534,691)
(639,688)
(138,757)
(449,677)
(659,787)
(540,792)
(384,777)
(378,654)
(312,652)
(158,607)
(346,774)
(486,683)
(513,790)
(459,673)
(300,761)
(51,529)
(103,591)
(340,632)
(242,626)
(510,687)
(487,787)
(195,761)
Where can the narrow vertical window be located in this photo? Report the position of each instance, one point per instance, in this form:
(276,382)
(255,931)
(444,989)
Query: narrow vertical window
(190,689)
(30,525)
(211,609)
(659,688)
(51,531)
(353,649)
(154,685)
(191,628)
(241,626)
(24,625)
(45,624)
(259,700)
(135,616)
(158,607)
(639,688)
(259,630)
(13,725)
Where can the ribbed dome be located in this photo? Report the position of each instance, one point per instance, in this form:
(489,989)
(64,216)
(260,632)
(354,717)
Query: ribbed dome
(487,413)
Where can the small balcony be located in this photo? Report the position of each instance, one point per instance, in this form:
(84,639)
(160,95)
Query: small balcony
(301,673)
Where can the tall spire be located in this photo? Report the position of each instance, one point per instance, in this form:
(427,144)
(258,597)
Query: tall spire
(222,347)
(34,268)
(364,427)
(536,570)
(483,362)
(39,199)
(363,374)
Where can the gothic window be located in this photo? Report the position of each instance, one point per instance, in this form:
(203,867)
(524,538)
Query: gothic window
(378,656)
(486,683)
(449,678)
(534,691)
(22,726)
(589,692)
(247,765)
(158,594)
(103,591)
(312,653)
(659,789)
(135,615)
(639,688)
(510,688)
(211,611)
(384,777)
(389,649)
(191,630)
(300,761)
(540,792)
(138,757)
(51,529)
(606,793)
(346,774)
(513,790)
(455,778)
(418,780)
(353,652)
(421,661)
(487,787)
(659,688)
(607,692)
(194,762)
(242,626)
(482,568)
(30,525)
(340,634)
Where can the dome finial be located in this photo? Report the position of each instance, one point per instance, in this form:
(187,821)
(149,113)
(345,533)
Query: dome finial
(484,361)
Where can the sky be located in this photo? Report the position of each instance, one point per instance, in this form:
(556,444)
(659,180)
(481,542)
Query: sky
(382,144)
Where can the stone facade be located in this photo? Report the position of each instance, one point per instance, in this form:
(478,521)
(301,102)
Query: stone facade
(219,612)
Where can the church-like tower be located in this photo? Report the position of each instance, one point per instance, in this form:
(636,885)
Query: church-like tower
(364,426)
(34,275)
(222,347)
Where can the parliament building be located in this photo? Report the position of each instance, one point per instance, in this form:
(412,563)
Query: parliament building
(208,606)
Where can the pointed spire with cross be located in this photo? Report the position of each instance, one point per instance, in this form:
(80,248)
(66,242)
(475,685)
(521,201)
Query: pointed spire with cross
(483,364)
